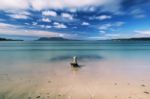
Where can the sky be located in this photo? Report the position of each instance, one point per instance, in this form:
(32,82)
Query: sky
(74,19)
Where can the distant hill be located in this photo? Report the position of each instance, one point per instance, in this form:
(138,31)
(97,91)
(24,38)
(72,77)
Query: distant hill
(4,39)
(64,39)
(53,39)
(133,39)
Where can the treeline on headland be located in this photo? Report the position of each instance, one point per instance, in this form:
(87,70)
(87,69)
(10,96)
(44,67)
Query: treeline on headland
(53,39)
(4,39)
(133,39)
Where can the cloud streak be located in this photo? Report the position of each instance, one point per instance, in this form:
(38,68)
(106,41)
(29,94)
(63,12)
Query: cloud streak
(104,17)
(56,4)
(49,13)
(8,29)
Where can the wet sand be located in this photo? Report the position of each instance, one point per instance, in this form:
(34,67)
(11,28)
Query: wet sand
(95,80)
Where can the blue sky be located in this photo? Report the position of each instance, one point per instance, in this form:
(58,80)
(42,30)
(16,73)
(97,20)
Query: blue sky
(75,19)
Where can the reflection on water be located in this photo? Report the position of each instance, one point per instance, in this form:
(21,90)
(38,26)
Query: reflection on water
(80,57)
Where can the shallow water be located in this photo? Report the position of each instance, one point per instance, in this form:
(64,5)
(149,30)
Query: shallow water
(110,70)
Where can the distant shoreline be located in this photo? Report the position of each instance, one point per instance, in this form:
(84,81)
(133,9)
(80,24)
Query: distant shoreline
(5,39)
(65,39)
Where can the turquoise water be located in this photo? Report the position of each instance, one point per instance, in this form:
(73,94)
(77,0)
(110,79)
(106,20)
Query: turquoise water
(52,51)
(48,52)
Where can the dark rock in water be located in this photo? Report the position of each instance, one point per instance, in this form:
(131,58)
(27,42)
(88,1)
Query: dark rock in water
(38,96)
(59,94)
(143,85)
(29,98)
(115,84)
(74,62)
(146,92)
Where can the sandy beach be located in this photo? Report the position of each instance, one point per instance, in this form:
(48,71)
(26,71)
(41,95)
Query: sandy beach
(95,80)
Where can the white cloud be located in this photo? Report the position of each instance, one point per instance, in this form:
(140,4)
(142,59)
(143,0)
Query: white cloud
(48,26)
(59,4)
(14,4)
(140,16)
(42,26)
(91,9)
(112,6)
(2,20)
(102,32)
(18,16)
(22,32)
(143,32)
(104,17)
(3,25)
(85,23)
(105,26)
(46,20)
(74,27)
(110,26)
(20,12)
(34,23)
(59,25)
(137,13)
(118,24)
(67,15)
(39,4)
(49,13)
(112,35)
(106,36)
(27,23)
(45,26)
(73,10)
(56,23)
(8,29)
(107,5)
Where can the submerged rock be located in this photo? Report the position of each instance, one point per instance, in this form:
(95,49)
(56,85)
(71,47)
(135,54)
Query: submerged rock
(146,92)
(38,96)
(143,85)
